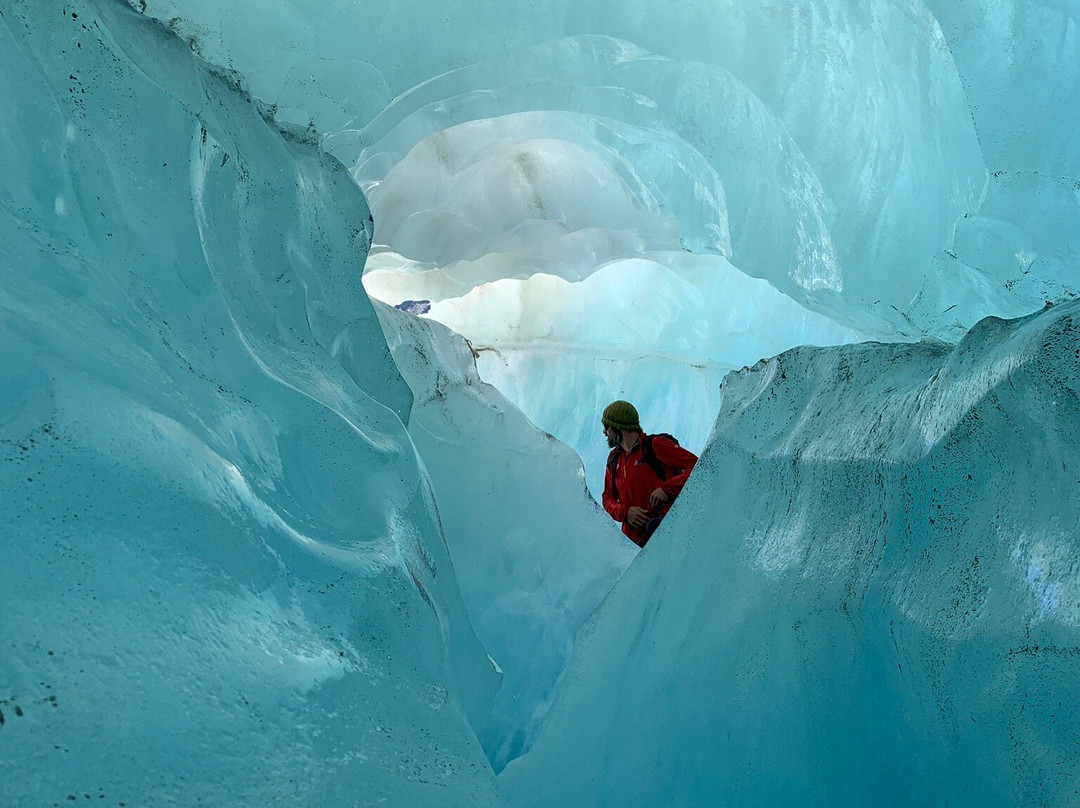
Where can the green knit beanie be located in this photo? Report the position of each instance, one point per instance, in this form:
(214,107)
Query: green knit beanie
(621,415)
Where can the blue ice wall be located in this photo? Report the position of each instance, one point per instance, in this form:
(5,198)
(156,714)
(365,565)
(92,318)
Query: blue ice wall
(869,594)
(222,577)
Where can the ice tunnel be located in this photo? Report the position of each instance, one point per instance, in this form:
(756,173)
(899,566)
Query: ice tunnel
(308,312)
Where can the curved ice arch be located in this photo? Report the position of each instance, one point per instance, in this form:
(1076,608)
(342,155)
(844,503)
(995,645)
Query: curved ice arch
(644,170)
(876,84)
(775,207)
(461,195)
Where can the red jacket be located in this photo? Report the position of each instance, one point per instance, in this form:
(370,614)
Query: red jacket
(635,480)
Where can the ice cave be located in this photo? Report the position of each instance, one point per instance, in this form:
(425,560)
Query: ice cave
(308,313)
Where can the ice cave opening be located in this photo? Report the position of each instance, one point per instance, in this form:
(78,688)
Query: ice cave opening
(309,312)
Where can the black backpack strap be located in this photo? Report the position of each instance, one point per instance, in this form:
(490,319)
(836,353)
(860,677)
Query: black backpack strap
(613,467)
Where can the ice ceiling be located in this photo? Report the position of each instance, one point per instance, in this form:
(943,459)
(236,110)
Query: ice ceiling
(268,541)
(873,166)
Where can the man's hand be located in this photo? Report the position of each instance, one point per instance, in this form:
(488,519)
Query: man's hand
(658,498)
(637,517)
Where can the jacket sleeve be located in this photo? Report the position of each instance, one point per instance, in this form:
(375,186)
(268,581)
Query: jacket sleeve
(615,508)
(676,458)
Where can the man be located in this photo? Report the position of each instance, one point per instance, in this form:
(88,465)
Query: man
(644,472)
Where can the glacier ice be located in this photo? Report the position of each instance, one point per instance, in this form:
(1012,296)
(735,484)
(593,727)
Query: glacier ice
(496,475)
(731,119)
(267,541)
(223,581)
(861,599)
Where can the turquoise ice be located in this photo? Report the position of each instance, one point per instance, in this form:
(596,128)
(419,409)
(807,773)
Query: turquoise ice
(268,539)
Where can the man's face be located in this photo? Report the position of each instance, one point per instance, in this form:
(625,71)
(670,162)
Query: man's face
(613,436)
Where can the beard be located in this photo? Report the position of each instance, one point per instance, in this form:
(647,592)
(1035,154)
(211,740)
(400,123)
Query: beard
(612,442)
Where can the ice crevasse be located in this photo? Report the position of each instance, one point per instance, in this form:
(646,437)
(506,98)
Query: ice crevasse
(307,315)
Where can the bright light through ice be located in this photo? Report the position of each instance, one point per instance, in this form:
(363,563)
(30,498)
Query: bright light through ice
(569,281)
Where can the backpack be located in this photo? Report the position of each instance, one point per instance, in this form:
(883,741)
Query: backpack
(648,455)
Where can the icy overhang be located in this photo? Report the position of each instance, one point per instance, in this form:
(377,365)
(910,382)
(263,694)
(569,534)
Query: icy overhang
(831,152)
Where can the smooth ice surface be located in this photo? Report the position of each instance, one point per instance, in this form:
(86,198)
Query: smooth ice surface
(843,137)
(868,599)
(223,579)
